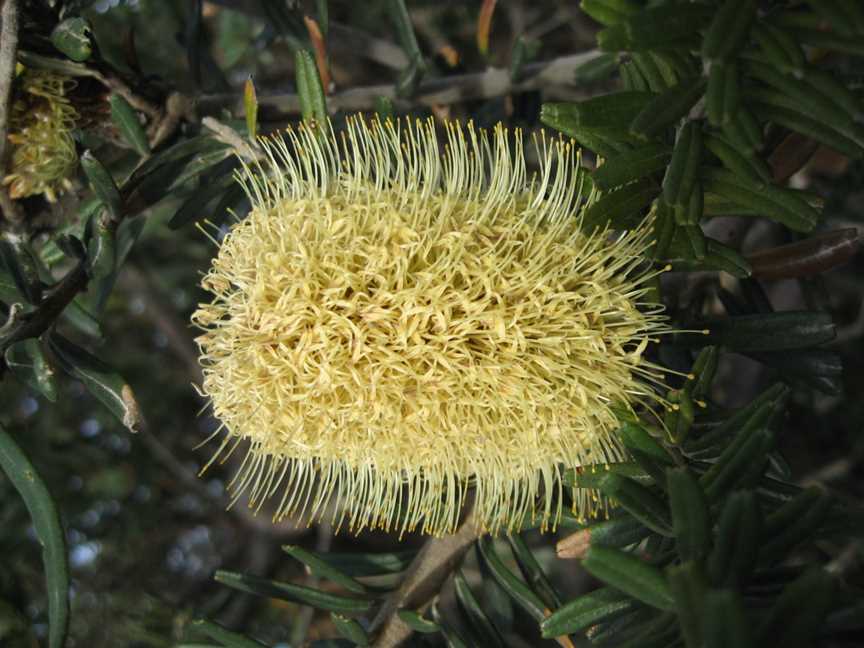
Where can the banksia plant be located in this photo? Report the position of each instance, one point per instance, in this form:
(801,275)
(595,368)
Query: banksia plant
(40,131)
(395,322)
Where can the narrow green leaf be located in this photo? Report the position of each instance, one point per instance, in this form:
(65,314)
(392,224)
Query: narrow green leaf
(596,69)
(615,110)
(741,459)
(690,517)
(103,184)
(21,268)
(639,501)
(532,572)
(99,379)
(194,208)
(769,331)
(313,106)
(405,32)
(631,165)
(126,119)
(667,108)
(688,587)
(621,209)
(27,362)
(485,630)
(225,637)
(724,621)
(320,567)
(658,27)
(71,38)
(609,12)
(290,592)
(101,246)
(723,95)
(775,203)
(603,604)
(369,564)
(729,29)
(46,523)
(417,622)
(631,575)
(636,437)
(250,108)
(513,586)
(793,523)
(797,617)
(589,476)
(350,629)
(683,168)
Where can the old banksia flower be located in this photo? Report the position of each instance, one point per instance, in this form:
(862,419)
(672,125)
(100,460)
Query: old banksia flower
(398,320)
(40,131)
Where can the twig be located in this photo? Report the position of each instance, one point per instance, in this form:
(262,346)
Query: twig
(8,51)
(323,540)
(430,568)
(493,82)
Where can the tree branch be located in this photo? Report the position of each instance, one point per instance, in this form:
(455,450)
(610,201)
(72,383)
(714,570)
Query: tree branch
(423,580)
(494,82)
(8,52)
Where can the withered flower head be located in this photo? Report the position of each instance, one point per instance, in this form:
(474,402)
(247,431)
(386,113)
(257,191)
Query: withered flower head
(397,321)
(40,131)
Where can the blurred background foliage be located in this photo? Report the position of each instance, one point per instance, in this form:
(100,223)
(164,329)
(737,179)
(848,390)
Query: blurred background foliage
(144,533)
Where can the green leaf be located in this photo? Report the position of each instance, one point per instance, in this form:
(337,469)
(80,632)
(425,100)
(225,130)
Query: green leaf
(99,379)
(771,202)
(224,636)
(596,69)
(101,246)
(320,567)
(688,588)
(487,633)
(350,629)
(631,575)
(667,108)
(631,165)
(816,368)
(615,110)
(793,523)
(736,547)
(513,586)
(636,437)
(797,616)
(751,167)
(368,564)
(126,119)
(194,208)
(412,75)
(729,29)
(296,593)
(690,517)
(768,331)
(103,185)
(602,604)
(27,362)
(724,621)
(723,94)
(417,622)
(639,501)
(616,532)
(46,523)
(589,476)
(250,108)
(532,572)
(742,459)
(683,168)
(621,209)
(313,106)
(21,268)
(609,12)
(71,38)
(656,28)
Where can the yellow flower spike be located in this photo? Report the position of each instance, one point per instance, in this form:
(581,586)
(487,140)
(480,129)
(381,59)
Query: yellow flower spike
(397,321)
(40,131)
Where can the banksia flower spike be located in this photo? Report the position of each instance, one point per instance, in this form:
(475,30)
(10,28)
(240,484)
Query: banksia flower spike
(40,131)
(397,321)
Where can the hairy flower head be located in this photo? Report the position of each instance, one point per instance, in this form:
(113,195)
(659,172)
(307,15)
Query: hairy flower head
(400,319)
(40,131)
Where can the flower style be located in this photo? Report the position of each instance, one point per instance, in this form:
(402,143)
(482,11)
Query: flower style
(399,321)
